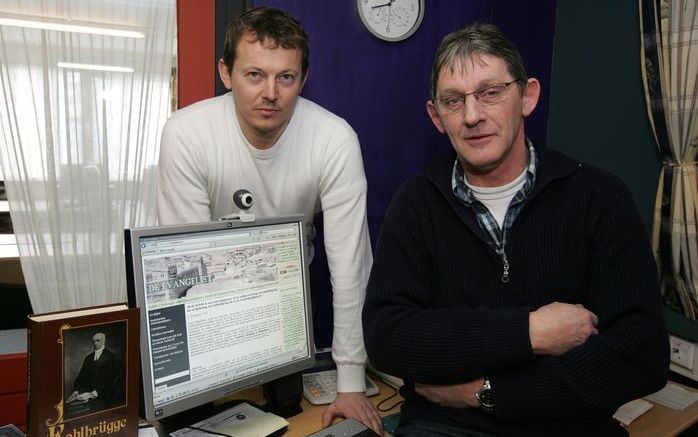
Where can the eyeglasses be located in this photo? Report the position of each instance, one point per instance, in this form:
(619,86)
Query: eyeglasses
(489,95)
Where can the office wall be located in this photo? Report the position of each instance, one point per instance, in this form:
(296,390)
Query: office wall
(196,49)
(597,106)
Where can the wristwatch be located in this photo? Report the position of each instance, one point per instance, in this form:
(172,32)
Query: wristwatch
(484,396)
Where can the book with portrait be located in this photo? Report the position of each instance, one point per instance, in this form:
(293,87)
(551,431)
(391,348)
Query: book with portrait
(83,372)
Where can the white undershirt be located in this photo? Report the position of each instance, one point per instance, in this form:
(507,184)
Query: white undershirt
(497,199)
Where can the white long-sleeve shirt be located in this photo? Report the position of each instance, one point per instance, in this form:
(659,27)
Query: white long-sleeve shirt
(315,165)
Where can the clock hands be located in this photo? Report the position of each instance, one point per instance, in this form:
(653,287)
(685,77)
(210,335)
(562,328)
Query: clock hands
(389,5)
(383,5)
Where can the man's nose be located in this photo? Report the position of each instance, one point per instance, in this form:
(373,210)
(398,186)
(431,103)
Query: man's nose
(472,111)
(270,90)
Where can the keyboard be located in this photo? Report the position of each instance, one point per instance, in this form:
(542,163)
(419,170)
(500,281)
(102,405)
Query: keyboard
(346,428)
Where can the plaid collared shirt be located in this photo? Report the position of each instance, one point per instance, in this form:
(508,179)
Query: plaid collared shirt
(485,219)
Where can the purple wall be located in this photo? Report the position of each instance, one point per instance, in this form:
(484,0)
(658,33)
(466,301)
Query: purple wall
(381,88)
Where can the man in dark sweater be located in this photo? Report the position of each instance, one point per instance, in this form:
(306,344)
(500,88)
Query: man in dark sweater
(513,288)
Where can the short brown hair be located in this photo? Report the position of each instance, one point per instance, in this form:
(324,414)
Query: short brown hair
(266,24)
(477,38)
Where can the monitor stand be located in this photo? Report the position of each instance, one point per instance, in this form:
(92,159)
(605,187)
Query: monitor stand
(283,395)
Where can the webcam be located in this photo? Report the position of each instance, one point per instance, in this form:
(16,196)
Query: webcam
(243,199)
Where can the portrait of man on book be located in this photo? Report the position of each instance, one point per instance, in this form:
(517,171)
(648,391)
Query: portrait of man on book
(93,368)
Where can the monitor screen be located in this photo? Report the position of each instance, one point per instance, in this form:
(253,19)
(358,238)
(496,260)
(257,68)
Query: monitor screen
(224,306)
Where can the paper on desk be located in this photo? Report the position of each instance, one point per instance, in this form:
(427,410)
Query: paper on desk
(147,432)
(674,397)
(145,429)
(631,411)
(242,420)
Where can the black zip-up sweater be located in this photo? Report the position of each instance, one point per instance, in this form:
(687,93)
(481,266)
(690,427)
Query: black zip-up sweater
(437,311)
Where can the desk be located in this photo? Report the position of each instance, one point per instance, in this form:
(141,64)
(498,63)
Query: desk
(310,420)
(659,421)
(663,421)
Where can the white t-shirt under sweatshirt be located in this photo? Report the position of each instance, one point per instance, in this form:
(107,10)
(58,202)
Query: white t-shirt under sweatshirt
(497,199)
(315,165)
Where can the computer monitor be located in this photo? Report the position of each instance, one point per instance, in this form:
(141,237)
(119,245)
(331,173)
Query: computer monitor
(224,306)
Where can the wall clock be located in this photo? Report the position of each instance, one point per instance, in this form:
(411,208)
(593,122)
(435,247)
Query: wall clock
(391,20)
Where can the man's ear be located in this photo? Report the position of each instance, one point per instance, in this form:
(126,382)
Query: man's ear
(530,97)
(435,117)
(224,74)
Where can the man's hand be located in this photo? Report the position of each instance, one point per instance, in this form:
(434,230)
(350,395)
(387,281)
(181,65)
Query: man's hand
(354,405)
(558,327)
(86,396)
(451,395)
(72,397)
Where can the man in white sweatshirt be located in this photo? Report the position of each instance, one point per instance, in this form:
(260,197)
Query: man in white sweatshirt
(294,157)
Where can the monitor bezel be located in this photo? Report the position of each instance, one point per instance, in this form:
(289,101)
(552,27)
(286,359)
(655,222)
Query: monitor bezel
(136,296)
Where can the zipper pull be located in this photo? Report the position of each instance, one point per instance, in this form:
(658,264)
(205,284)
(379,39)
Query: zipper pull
(505,273)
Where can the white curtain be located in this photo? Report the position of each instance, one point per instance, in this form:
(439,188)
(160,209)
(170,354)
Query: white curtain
(79,144)
(670,71)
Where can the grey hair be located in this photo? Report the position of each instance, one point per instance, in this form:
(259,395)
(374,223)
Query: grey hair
(473,39)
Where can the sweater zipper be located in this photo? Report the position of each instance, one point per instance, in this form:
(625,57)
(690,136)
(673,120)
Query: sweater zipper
(505,266)
(505,261)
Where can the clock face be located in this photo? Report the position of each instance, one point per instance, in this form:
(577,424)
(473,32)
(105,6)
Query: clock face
(391,20)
